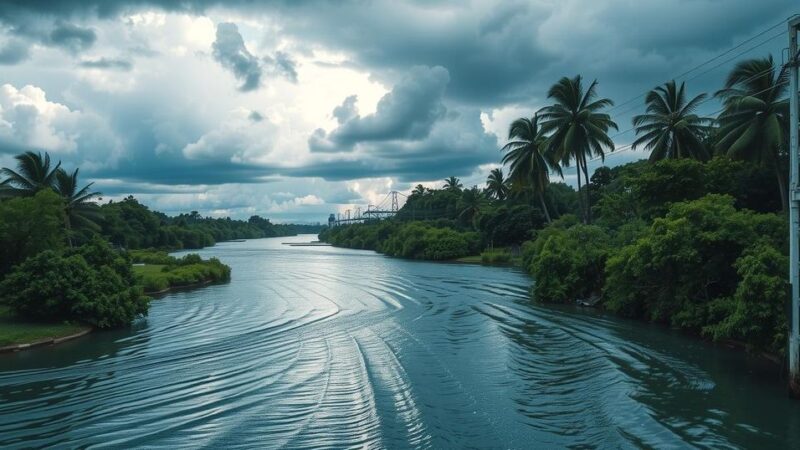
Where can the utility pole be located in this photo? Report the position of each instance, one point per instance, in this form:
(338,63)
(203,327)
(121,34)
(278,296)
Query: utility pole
(794,212)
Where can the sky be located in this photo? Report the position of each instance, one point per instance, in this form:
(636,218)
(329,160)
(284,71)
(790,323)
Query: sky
(297,109)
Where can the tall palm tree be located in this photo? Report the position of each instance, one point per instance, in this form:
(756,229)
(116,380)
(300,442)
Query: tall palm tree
(79,210)
(497,184)
(529,166)
(670,128)
(577,128)
(471,203)
(33,174)
(452,184)
(754,125)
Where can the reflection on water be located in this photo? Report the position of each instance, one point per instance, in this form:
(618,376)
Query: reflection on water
(329,348)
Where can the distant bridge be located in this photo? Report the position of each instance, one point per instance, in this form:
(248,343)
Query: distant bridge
(388,207)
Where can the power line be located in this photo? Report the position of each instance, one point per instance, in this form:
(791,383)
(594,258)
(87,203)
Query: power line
(761,33)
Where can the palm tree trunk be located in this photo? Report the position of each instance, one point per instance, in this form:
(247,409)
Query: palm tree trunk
(781,184)
(544,208)
(68,229)
(580,198)
(588,197)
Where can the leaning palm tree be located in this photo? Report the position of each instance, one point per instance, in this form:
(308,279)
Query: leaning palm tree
(452,184)
(529,165)
(33,174)
(79,210)
(669,128)
(577,128)
(755,122)
(497,184)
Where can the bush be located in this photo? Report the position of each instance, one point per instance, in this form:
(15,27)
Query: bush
(688,267)
(92,284)
(755,313)
(567,263)
(434,240)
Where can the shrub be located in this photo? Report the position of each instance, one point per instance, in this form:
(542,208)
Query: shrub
(568,263)
(684,263)
(92,284)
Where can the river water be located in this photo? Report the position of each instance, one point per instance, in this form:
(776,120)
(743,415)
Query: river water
(320,347)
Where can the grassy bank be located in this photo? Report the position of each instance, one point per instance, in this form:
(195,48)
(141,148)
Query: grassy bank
(156,271)
(15,330)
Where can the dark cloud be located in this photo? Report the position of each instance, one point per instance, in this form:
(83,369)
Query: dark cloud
(283,65)
(455,145)
(72,37)
(255,116)
(106,63)
(347,110)
(409,111)
(14,52)
(230,51)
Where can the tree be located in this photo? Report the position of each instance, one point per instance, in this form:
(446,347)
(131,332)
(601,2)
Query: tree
(470,205)
(29,225)
(497,184)
(452,184)
(79,210)
(33,174)
(529,164)
(91,284)
(755,122)
(577,128)
(419,190)
(670,129)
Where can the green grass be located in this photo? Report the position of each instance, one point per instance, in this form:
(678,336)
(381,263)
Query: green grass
(159,277)
(474,259)
(14,330)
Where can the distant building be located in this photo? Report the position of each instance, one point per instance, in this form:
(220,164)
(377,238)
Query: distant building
(332,220)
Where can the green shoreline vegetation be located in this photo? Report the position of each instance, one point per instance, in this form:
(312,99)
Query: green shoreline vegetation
(158,272)
(66,262)
(694,238)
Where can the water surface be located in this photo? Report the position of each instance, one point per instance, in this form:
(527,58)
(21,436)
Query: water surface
(331,348)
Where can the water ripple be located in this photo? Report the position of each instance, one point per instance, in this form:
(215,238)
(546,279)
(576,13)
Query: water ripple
(331,348)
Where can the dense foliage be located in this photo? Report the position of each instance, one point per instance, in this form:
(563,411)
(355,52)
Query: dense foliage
(417,240)
(56,258)
(129,224)
(91,284)
(688,269)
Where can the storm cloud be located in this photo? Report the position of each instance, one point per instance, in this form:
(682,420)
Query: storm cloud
(293,99)
(230,51)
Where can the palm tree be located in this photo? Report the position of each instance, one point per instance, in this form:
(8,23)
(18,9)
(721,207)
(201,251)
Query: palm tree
(33,174)
(78,208)
(669,128)
(755,122)
(529,166)
(452,184)
(497,184)
(576,127)
(471,203)
(419,190)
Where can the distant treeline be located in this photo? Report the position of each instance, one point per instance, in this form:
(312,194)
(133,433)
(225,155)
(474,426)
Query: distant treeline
(130,224)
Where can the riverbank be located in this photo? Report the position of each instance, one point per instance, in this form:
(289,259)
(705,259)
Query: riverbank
(18,334)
